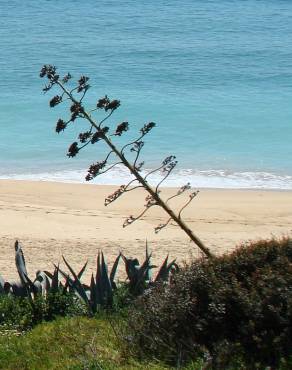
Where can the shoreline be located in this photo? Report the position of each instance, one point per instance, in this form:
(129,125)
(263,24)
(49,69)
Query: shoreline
(90,183)
(51,219)
(213,179)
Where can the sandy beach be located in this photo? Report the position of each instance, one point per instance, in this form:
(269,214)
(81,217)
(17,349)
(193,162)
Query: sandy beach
(51,219)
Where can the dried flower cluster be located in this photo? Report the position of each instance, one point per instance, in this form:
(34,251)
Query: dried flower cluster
(96,131)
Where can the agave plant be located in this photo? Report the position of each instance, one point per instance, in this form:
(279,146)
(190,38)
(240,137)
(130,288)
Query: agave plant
(43,284)
(102,287)
(100,291)
(166,269)
(55,284)
(139,276)
(24,287)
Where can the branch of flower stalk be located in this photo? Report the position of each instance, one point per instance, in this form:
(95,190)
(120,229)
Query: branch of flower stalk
(109,168)
(165,177)
(191,197)
(179,192)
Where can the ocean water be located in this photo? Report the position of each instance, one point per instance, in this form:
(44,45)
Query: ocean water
(216,77)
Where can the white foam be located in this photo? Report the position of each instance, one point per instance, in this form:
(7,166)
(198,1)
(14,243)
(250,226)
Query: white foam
(198,179)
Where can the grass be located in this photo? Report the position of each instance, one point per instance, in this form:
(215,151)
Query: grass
(77,343)
(69,343)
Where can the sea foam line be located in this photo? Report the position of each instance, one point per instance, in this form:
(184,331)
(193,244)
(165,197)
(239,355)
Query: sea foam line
(198,179)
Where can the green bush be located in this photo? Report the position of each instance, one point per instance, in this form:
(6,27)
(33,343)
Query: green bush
(235,306)
(21,313)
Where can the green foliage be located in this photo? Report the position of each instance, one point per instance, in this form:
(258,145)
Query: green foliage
(16,313)
(21,313)
(54,294)
(235,306)
(233,312)
(81,343)
(69,343)
(122,298)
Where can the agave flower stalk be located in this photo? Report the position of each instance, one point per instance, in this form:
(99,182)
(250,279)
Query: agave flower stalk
(99,132)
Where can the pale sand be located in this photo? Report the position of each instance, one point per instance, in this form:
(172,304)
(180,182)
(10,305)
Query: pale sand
(51,219)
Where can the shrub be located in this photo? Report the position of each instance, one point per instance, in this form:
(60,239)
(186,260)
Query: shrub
(237,305)
(21,313)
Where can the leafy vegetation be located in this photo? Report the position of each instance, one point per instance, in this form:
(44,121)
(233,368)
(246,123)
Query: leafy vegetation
(73,343)
(81,343)
(231,312)
(20,313)
(237,305)
(52,293)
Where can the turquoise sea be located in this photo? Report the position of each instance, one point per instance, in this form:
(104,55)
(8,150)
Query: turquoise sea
(216,77)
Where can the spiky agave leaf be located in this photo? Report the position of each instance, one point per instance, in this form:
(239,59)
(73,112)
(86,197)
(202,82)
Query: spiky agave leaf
(107,291)
(165,270)
(69,282)
(93,295)
(101,289)
(66,288)
(114,270)
(137,275)
(42,280)
(104,272)
(26,283)
(148,256)
(38,287)
(80,273)
(131,265)
(162,273)
(143,274)
(76,284)
(55,283)
(2,284)
(98,287)
(20,262)
(102,282)
(32,289)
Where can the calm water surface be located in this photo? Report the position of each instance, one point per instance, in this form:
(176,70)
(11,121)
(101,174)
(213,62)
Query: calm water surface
(216,76)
